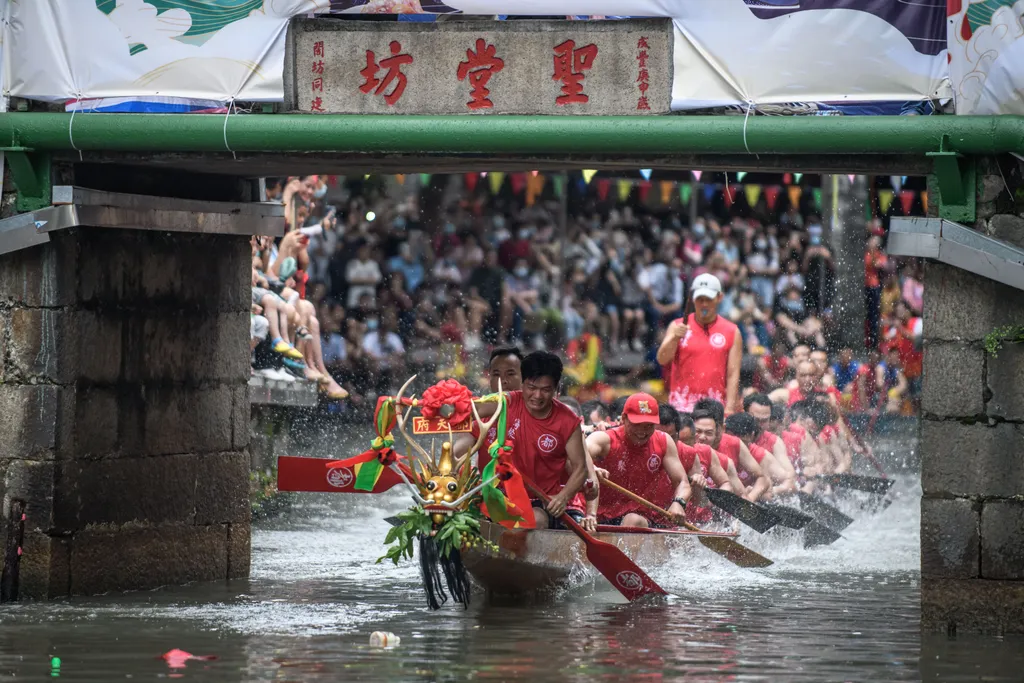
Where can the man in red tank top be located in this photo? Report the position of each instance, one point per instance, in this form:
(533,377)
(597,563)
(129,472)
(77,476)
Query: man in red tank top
(637,457)
(759,407)
(780,472)
(702,353)
(547,444)
(505,367)
(750,481)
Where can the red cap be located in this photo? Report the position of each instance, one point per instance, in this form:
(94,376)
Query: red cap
(642,409)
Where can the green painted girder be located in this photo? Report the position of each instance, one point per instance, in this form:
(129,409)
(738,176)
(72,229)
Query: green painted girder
(395,134)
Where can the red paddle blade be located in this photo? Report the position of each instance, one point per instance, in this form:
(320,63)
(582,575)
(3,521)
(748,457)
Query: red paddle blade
(295,473)
(616,566)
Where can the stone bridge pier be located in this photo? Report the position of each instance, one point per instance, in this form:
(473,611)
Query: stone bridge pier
(124,408)
(972,427)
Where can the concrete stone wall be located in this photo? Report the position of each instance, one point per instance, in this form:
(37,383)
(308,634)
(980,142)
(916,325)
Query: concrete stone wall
(972,435)
(124,410)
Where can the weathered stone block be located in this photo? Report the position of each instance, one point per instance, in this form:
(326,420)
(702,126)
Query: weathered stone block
(40,276)
(28,415)
(1008,228)
(1005,374)
(42,345)
(972,605)
(146,557)
(44,570)
(188,348)
(952,381)
(962,306)
(32,482)
(151,490)
(241,416)
(1002,539)
(239,550)
(180,420)
(603,58)
(949,538)
(96,423)
(99,345)
(990,187)
(971,460)
(222,488)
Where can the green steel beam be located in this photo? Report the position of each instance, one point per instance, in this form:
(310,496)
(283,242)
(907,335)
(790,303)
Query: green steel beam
(390,134)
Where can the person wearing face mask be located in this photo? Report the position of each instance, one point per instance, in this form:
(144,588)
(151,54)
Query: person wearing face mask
(763,266)
(518,248)
(797,323)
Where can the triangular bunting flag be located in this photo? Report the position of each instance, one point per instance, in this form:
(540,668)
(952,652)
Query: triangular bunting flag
(787,179)
(797,177)
(685,192)
(471,181)
(771,195)
(924,202)
(603,185)
(709,192)
(741,175)
(534,186)
(817,199)
(624,187)
(646,173)
(697,175)
(896,182)
(645,189)
(400,178)
(730,194)
(666,191)
(852,177)
(794,196)
(885,200)
(907,200)
(495,179)
(424,178)
(588,175)
(518,182)
(753,193)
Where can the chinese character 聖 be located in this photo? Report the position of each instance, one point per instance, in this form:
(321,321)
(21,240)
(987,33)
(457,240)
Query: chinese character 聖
(570,63)
(479,67)
(393,64)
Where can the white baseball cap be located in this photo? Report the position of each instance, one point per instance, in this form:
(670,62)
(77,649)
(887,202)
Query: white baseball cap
(706,285)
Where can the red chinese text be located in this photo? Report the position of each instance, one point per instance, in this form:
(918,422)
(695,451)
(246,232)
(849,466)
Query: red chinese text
(318,48)
(479,67)
(318,84)
(643,78)
(570,63)
(393,64)
(318,67)
(317,105)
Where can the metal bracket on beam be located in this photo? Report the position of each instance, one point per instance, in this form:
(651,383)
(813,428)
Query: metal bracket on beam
(31,173)
(957,245)
(956,178)
(75,207)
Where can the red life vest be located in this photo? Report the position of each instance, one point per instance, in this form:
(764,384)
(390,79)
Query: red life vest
(698,369)
(637,467)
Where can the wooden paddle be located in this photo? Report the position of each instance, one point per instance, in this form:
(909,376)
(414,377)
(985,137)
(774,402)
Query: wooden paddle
(831,515)
(756,517)
(613,564)
(725,546)
(858,482)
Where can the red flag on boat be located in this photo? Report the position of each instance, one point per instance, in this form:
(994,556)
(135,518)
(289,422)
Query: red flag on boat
(318,475)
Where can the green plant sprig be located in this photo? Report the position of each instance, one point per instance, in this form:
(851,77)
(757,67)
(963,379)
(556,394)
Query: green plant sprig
(994,340)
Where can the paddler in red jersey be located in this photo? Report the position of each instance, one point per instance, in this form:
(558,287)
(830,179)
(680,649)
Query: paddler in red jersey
(709,421)
(780,472)
(702,353)
(547,444)
(705,467)
(638,457)
(759,407)
(504,371)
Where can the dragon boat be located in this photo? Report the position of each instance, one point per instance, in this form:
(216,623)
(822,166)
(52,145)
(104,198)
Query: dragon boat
(469,522)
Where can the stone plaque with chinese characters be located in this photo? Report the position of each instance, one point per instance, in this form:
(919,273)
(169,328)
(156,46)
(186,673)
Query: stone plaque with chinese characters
(479,67)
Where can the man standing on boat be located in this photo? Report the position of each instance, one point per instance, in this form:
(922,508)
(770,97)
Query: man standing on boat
(547,444)
(638,457)
(702,353)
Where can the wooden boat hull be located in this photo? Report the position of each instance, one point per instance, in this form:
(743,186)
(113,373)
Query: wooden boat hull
(539,560)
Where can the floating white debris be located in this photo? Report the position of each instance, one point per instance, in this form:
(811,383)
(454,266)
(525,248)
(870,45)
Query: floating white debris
(384,639)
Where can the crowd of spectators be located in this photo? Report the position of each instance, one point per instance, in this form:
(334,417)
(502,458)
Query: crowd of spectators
(359,285)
